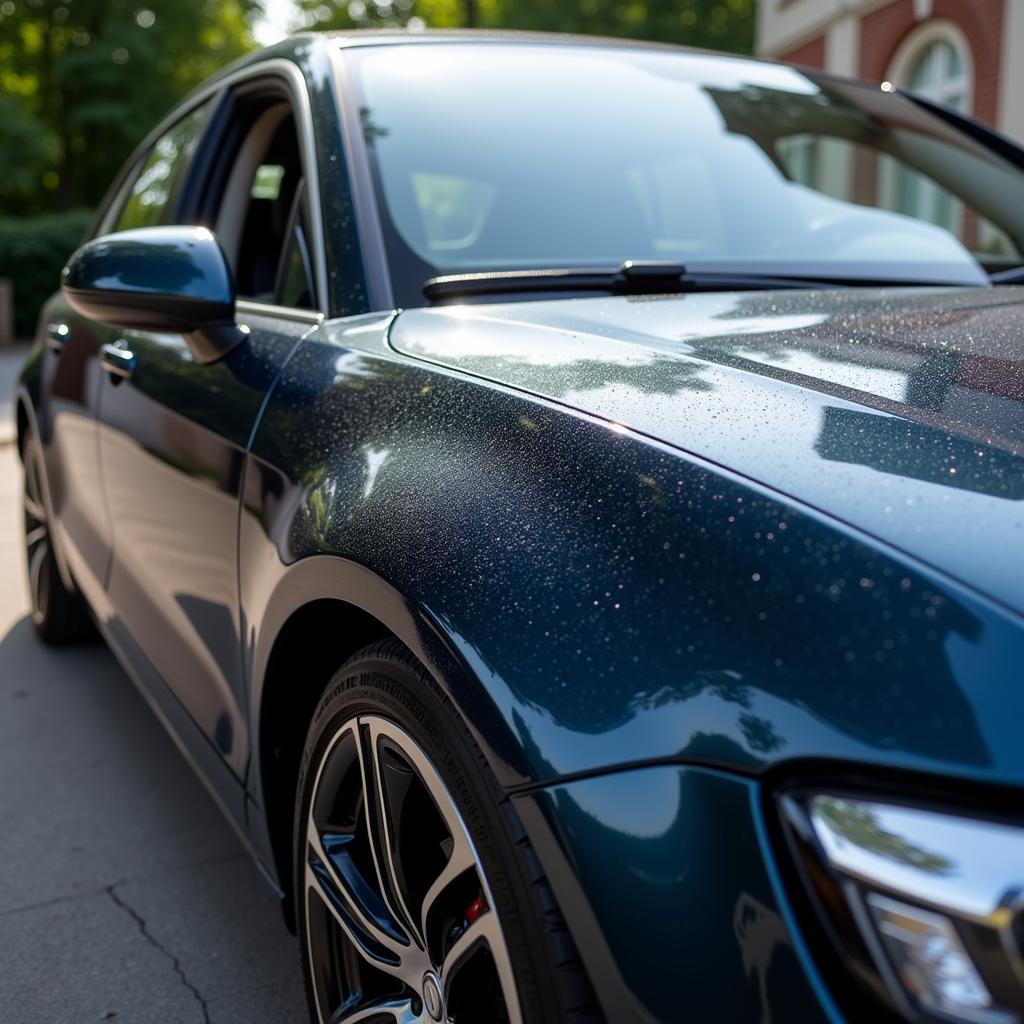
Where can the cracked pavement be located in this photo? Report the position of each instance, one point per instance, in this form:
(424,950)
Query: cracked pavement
(124,896)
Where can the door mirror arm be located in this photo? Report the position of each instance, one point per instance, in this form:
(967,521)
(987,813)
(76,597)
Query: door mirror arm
(214,341)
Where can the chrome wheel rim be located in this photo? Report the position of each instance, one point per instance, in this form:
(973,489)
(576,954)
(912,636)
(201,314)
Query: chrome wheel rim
(38,549)
(400,925)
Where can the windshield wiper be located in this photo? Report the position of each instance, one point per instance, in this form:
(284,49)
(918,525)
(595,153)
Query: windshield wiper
(634,277)
(1013,276)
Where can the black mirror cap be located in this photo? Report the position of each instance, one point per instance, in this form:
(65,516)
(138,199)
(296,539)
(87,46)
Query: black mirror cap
(172,279)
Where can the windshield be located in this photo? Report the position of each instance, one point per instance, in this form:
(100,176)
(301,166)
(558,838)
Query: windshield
(503,156)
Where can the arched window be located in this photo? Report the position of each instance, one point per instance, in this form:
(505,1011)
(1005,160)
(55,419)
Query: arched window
(934,61)
(939,75)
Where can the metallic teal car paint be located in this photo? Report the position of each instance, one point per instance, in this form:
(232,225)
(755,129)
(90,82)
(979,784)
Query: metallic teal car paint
(59,396)
(673,825)
(898,412)
(527,525)
(182,262)
(662,553)
(172,443)
(169,278)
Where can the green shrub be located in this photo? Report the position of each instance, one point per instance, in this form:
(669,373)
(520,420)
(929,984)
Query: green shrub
(32,252)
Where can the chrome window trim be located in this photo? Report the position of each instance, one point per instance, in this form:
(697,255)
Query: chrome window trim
(302,316)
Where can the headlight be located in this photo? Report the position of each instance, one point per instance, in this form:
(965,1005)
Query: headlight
(925,906)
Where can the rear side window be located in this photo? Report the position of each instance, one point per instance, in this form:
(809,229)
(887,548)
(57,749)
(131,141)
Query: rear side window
(152,195)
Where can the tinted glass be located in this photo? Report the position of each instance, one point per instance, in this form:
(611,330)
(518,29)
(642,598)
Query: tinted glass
(162,172)
(272,192)
(503,156)
(295,288)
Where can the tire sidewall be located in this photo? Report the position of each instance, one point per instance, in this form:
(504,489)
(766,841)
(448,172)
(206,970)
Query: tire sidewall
(411,700)
(66,618)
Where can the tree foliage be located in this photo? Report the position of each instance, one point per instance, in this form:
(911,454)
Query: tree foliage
(715,24)
(32,251)
(82,81)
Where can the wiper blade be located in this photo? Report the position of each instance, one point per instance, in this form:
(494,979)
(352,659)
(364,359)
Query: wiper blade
(1013,276)
(634,277)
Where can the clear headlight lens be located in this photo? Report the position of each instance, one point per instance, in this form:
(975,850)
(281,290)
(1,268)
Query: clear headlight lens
(926,905)
(928,957)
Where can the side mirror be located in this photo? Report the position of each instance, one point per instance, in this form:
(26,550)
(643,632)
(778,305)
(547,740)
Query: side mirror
(173,279)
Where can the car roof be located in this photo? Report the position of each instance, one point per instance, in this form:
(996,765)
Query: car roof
(346,39)
(385,37)
(296,46)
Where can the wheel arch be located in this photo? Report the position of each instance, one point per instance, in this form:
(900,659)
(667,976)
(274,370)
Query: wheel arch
(323,610)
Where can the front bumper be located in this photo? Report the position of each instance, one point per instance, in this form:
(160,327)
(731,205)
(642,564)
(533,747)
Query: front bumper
(667,881)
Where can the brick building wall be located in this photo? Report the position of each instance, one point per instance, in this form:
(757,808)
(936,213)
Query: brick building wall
(810,55)
(883,31)
(864,39)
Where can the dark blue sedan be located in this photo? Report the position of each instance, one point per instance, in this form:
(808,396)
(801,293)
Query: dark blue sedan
(566,500)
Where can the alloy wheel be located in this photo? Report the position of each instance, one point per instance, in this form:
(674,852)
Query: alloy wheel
(399,918)
(38,548)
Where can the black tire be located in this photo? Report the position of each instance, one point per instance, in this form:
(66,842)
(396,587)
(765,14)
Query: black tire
(60,616)
(385,684)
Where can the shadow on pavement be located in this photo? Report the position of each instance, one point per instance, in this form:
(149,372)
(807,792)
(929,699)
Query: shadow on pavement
(124,896)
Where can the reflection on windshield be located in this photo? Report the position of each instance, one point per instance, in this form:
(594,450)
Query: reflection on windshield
(494,157)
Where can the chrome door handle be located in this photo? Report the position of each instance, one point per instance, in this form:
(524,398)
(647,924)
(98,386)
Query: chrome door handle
(118,359)
(57,335)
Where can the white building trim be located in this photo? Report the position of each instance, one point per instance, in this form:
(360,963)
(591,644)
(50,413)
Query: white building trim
(842,46)
(784,25)
(1010,119)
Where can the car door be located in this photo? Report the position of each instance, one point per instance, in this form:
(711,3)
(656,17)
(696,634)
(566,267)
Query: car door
(74,378)
(173,435)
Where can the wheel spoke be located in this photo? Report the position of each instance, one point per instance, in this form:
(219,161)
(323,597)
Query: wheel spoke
(391,875)
(357,900)
(398,1011)
(381,828)
(383,956)
(484,931)
(34,508)
(33,482)
(35,535)
(36,577)
(462,859)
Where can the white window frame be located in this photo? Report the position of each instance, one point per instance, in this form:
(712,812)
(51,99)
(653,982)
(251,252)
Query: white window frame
(903,64)
(917,43)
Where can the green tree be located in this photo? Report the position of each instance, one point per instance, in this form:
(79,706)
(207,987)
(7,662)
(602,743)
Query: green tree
(81,81)
(715,24)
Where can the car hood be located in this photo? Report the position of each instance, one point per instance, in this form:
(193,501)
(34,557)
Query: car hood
(900,412)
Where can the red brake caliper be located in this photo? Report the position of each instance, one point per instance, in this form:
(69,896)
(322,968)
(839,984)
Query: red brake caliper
(475,909)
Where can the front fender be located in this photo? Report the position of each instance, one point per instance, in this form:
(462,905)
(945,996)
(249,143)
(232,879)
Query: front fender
(667,881)
(612,600)
(271,598)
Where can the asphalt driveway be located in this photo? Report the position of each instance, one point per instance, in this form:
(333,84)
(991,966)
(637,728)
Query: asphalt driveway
(123,895)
